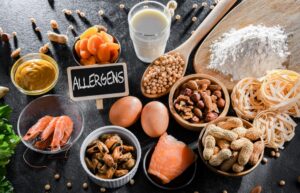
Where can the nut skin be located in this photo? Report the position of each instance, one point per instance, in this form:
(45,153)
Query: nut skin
(187,92)
(217,93)
(221,103)
(210,116)
(195,97)
(198,112)
(200,104)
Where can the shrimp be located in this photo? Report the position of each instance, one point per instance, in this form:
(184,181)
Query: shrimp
(43,144)
(62,131)
(37,128)
(49,129)
(68,130)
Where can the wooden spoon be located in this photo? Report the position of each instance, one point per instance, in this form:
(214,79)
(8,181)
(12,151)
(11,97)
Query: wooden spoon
(187,47)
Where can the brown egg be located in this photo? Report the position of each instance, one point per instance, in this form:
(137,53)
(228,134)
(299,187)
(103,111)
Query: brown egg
(125,111)
(155,119)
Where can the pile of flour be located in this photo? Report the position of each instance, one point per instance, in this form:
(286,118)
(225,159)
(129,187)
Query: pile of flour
(250,51)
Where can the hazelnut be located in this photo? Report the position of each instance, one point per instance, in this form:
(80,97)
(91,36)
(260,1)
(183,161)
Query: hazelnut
(200,104)
(221,103)
(197,112)
(217,93)
(210,116)
(195,119)
(195,97)
(187,92)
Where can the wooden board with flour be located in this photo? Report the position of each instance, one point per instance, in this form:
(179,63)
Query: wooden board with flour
(266,12)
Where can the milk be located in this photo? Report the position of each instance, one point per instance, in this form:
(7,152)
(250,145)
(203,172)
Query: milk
(149,32)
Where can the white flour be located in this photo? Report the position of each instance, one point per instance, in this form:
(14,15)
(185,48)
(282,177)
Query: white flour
(250,51)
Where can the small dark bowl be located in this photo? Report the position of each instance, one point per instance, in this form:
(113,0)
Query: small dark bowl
(178,183)
(77,59)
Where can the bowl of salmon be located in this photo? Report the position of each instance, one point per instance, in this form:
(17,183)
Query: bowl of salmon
(50,124)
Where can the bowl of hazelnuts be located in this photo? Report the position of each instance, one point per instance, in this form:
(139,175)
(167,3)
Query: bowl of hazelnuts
(198,99)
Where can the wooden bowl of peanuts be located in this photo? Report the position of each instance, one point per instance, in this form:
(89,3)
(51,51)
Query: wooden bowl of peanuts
(231,146)
(198,99)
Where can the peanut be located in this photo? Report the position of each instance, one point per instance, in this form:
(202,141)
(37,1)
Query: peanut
(237,168)
(216,150)
(238,144)
(258,148)
(209,144)
(223,144)
(220,133)
(227,165)
(58,38)
(15,53)
(245,153)
(241,131)
(217,159)
(253,134)
(231,123)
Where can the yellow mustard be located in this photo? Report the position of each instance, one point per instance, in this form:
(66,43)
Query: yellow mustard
(35,74)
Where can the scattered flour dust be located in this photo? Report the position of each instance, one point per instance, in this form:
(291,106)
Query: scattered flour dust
(250,51)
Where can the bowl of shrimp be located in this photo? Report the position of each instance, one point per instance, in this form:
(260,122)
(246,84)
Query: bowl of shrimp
(50,124)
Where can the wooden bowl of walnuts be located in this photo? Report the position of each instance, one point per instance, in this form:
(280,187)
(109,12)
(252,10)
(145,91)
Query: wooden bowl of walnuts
(231,146)
(198,99)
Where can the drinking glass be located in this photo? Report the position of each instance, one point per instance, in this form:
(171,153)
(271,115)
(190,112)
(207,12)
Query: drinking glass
(149,46)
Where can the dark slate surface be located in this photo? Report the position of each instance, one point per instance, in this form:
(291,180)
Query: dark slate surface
(14,16)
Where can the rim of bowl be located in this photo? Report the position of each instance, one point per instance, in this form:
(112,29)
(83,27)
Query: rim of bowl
(75,56)
(231,174)
(132,138)
(191,77)
(38,56)
(161,186)
(68,145)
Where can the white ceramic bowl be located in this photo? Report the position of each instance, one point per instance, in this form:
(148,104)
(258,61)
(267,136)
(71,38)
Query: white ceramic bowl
(129,138)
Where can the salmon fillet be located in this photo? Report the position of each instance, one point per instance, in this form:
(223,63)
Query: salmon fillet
(170,158)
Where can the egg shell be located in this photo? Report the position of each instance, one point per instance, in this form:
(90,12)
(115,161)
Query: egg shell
(125,111)
(155,119)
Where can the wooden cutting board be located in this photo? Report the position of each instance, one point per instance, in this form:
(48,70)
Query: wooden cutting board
(285,13)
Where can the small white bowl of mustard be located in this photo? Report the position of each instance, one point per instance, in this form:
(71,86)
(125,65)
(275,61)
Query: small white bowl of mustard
(34,74)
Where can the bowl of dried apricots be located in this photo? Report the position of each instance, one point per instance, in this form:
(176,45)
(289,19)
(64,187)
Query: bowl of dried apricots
(96,46)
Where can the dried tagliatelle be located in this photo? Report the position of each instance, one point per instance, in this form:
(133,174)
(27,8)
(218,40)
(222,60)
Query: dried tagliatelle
(277,128)
(245,98)
(280,90)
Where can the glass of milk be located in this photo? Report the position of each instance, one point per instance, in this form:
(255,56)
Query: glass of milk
(149,27)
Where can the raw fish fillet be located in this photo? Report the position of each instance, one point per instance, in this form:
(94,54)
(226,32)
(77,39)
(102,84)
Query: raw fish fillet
(170,158)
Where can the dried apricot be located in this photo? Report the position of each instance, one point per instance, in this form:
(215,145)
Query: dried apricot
(93,44)
(106,37)
(114,55)
(84,54)
(83,44)
(89,61)
(77,47)
(104,53)
(89,32)
(113,46)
